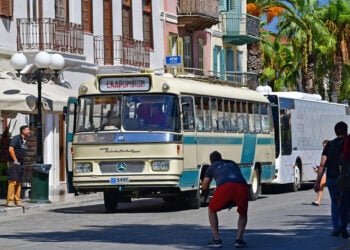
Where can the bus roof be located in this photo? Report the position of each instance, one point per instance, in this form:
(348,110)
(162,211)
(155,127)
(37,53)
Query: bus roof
(168,84)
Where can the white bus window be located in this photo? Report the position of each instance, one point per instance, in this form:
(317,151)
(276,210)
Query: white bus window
(221,116)
(265,121)
(199,114)
(251,123)
(214,114)
(257,118)
(187,111)
(206,114)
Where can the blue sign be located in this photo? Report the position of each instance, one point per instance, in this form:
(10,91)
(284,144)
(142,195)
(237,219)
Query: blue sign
(172,60)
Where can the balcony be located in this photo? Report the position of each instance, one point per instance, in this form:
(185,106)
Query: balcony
(197,14)
(233,78)
(49,34)
(240,29)
(119,50)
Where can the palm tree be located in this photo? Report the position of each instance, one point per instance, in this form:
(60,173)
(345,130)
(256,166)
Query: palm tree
(259,8)
(337,19)
(308,36)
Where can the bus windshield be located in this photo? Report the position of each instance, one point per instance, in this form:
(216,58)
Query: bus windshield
(133,112)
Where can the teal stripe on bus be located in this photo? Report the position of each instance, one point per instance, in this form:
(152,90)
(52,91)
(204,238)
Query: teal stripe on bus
(266,141)
(212,140)
(189,179)
(249,146)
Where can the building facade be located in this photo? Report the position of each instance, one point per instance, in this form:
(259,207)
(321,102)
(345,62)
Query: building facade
(118,36)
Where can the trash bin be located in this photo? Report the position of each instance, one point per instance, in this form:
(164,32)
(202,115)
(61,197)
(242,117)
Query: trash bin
(40,183)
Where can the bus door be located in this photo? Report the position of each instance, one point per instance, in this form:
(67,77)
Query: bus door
(70,125)
(189,141)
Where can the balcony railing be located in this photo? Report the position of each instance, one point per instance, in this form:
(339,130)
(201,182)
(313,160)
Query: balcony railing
(240,28)
(234,78)
(117,50)
(197,14)
(49,34)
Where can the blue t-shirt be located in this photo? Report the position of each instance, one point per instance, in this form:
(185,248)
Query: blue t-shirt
(225,171)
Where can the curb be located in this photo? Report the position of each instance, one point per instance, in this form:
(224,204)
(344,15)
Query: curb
(33,208)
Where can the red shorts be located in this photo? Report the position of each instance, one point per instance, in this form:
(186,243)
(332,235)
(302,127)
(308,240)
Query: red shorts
(237,192)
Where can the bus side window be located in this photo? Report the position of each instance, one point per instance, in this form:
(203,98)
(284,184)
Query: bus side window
(199,114)
(188,114)
(206,114)
(214,114)
(251,117)
(265,121)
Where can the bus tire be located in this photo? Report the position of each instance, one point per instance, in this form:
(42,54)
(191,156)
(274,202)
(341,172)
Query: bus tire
(255,186)
(295,186)
(193,199)
(110,200)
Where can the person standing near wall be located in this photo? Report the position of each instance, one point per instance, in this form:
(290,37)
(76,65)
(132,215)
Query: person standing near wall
(17,150)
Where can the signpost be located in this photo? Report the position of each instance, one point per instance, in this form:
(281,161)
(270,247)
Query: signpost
(172,60)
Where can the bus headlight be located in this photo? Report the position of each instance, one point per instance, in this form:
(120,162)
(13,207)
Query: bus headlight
(83,167)
(160,165)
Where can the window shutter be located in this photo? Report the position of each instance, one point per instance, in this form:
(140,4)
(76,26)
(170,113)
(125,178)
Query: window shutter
(170,43)
(222,5)
(215,61)
(180,52)
(6,8)
(222,64)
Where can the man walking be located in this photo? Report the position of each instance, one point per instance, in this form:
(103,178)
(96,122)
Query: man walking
(230,187)
(330,160)
(17,150)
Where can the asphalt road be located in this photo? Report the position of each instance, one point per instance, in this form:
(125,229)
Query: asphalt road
(276,221)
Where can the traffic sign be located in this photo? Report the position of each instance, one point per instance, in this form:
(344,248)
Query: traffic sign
(173,60)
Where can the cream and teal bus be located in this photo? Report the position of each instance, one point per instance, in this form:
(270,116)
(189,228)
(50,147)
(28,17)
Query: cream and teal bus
(114,147)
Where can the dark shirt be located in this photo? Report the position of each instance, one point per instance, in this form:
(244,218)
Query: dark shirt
(225,171)
(333,151)
(20,146)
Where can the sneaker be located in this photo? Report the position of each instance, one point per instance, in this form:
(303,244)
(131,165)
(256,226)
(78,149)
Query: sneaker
(9,204)
(214,243)
(335,233)
(344,234)
(18,204)
(239,243)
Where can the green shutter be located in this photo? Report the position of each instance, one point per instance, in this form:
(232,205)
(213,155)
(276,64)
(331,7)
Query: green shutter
(215,61)
(222,64)
(222,5)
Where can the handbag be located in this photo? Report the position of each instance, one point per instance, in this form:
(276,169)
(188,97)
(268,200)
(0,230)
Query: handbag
(317,185)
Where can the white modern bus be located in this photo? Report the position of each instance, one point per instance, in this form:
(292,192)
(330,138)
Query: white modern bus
(302,122)
(116,149)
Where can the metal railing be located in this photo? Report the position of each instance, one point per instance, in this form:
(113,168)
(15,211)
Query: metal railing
(49,34)
(234,78)
(240,24)
(116,50)
(196,7)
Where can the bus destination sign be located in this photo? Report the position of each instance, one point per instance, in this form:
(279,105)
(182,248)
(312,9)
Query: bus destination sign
(133,83)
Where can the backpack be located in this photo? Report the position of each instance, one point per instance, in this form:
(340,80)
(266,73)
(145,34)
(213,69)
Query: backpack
(343,180)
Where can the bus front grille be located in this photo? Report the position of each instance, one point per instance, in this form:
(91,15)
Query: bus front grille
(122,167)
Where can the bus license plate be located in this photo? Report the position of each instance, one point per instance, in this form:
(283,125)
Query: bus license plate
(119,180)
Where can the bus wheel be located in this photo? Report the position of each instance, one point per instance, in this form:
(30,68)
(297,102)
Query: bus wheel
(255,187)
(294,186)
(110,200)
(193,199)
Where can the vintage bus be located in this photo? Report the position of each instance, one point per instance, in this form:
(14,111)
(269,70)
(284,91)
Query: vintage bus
(119,148)
(302,122)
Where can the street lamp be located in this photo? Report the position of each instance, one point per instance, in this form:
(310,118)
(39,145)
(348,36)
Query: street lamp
(48,67)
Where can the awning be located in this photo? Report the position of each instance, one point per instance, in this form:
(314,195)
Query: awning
(21,97)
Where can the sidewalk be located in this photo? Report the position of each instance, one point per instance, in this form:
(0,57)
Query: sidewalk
(66,200)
